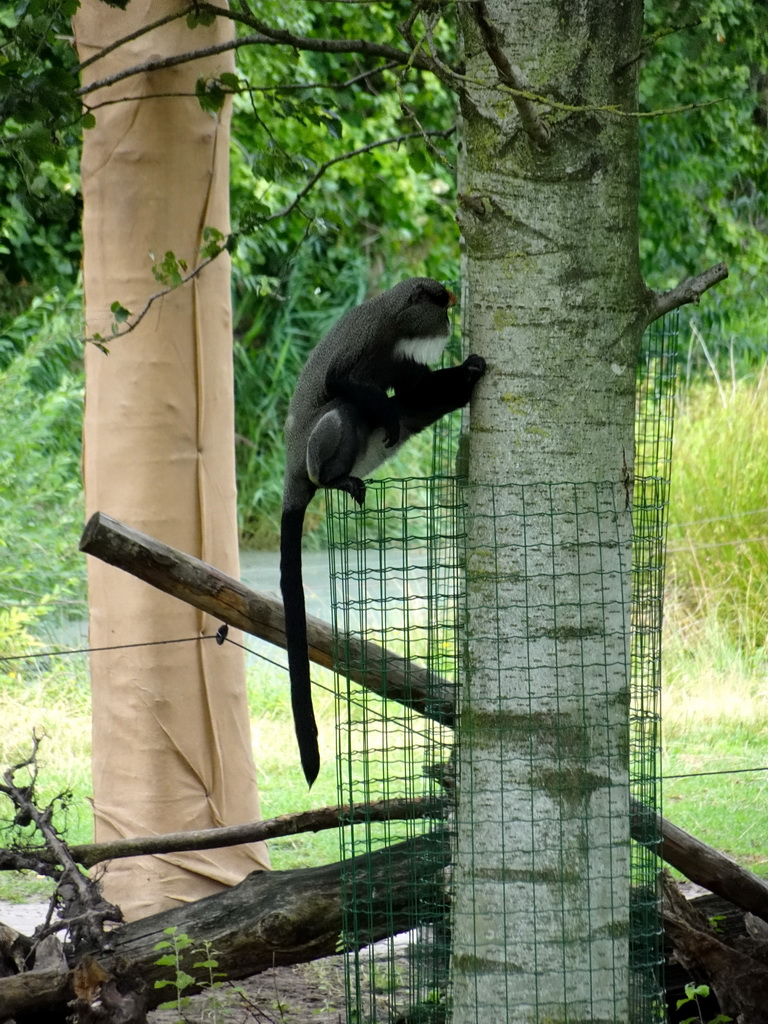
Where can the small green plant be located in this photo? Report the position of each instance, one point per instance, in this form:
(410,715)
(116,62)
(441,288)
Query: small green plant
(217,999)
(692,993)
(176,943)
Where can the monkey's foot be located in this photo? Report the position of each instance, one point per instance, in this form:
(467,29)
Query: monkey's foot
(353,485)
(357,490)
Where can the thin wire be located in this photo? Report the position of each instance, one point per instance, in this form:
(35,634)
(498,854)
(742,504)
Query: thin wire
(717,519)
(89,650)
(724,771)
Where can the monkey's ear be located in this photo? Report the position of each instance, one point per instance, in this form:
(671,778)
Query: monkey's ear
(418,294)
(431,292)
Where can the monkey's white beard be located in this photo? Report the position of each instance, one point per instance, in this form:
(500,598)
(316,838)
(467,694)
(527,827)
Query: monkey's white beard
(421,350)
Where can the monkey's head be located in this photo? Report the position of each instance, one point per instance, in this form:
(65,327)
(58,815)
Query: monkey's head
(422,307)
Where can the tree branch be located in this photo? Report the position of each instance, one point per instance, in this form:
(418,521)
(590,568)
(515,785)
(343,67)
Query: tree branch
(534,127)
(139,32)
(212,591)
(689,290)
(395,139)
(340,46)
(317,820)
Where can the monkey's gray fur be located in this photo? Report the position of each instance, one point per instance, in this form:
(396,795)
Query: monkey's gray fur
(342,423)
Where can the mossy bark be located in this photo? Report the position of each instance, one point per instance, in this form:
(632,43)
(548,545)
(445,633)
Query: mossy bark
(553,300)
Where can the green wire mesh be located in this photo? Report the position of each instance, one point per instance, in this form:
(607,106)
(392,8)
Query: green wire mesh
(398,581)
(654,421)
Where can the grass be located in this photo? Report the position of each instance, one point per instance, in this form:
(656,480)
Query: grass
(715,714)
(718,539)
(715,718)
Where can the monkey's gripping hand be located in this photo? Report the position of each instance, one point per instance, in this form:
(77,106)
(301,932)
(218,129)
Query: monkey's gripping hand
(475,367)
(425,395)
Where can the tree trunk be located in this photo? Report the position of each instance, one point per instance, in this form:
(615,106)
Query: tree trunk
(553,299)
(171,735)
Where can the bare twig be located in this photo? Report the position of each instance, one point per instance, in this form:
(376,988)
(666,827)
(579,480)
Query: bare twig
(510,76)
(284,212)
(689,290)
(169,62)
(265,35)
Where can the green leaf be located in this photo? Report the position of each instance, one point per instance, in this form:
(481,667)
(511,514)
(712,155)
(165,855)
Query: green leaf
(210,94)
(119,312)
(418,160)
(168,272)
(183,980)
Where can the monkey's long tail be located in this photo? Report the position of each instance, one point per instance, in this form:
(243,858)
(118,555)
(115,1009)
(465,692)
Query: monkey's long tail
(292,588)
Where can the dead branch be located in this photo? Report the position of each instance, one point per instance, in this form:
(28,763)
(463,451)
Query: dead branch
(689,290)
(534,127)
(708,867)
(83,909)
(317,820)
(212,591)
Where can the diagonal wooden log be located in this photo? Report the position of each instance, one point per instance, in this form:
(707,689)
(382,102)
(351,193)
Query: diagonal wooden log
(271,918)
(212,591)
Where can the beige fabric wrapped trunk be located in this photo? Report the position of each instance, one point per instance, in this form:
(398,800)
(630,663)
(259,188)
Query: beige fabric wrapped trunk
(171,736)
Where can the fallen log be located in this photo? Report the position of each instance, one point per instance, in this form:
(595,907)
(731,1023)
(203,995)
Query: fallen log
(270,919)
(229,600)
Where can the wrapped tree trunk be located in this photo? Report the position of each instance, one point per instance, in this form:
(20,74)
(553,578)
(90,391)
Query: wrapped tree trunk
(554,301)
(171,735)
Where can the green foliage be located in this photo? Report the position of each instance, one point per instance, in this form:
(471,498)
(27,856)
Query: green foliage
(692,993)
(177,943)
(41,396)
(41,121)
(704,177)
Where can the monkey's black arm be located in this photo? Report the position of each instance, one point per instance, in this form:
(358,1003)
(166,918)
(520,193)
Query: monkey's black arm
(371,402)
(424,395)
(292,588)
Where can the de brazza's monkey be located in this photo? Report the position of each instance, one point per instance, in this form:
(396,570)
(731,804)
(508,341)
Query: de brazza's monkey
(342,423)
